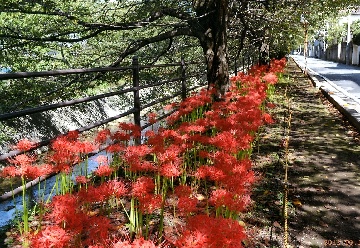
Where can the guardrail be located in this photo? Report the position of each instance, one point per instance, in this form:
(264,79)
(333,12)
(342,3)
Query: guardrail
(136,109)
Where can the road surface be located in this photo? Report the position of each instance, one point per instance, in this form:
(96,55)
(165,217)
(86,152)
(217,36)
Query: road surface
(339,82)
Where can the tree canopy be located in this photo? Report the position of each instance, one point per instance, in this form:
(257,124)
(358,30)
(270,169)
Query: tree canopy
(54,34)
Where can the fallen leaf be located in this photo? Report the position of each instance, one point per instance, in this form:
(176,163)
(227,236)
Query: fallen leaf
(323,224)
(241,223)
(266,192)
(267,241)
(276,224)
(297,203)
(200,197)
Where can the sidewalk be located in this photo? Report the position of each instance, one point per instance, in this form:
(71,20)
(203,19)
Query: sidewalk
(323,171)
(347,104)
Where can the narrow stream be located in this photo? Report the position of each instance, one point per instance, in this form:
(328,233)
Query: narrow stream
(12,207)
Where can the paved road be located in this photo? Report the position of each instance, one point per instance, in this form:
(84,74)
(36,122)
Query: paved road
(339,82)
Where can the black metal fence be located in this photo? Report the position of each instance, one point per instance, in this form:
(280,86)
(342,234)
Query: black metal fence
(183,76)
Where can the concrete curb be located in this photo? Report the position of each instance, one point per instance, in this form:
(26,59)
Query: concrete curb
(342,100)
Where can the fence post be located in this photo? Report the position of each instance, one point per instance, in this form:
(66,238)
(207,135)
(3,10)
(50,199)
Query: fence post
(248,63)
(235,71)
(137,120)
(243,64)
(183,78)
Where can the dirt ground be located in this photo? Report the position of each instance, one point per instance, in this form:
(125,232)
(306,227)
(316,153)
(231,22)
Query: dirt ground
(322,158)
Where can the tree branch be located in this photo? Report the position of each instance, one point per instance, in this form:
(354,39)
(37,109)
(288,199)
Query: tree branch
(137,45)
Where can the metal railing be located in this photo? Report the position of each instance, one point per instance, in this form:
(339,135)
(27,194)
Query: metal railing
(136,109)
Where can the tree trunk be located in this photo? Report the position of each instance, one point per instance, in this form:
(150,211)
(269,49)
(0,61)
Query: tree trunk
(214,43)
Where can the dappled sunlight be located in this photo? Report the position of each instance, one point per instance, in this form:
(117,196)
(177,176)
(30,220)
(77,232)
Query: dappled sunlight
(324,172)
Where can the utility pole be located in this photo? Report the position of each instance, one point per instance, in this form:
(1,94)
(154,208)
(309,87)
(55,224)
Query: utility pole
(348,40)
(305,24)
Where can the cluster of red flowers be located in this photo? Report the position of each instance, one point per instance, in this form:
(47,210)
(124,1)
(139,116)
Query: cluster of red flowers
(205,151)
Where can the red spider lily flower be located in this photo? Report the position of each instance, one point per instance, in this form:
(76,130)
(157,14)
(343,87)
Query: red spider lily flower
(220,197)
(102,136)
(268,119)
(214,232)
(30,172)
(102,193)
(187,205)
(209,172)
(148,166)
(65,211)
(170,154)
(225,141)
(64,151)
(84,147)
(183,190)
(97,231)
(157,142)
(125,126)
(277,66)
(237,204)
(120,136)
(61,144)
(242,166)
(270,105)
(149,133)
(237,183)
(148,203)
(115,188)
(101,159)
(171,169)
(193,239)
(24,145)
(9,172)
(224,161)
(142,166)
(89,195)
(133,153)
(72,135)
(152,118)
(169,134)
(62,167)
(134,130)
(115,148)
(170,106)
(142,186)
(82,179)
(164,137)
(22,160)
(190,128)
(24,167)
(103,171)
(201,172)
(133,156)
(137,243)
(204,154)
(270,78)
(62,207)
(51,236)
(173,118)
(46,169)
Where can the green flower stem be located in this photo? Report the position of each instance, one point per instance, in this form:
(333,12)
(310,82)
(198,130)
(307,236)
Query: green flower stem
(25,216)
